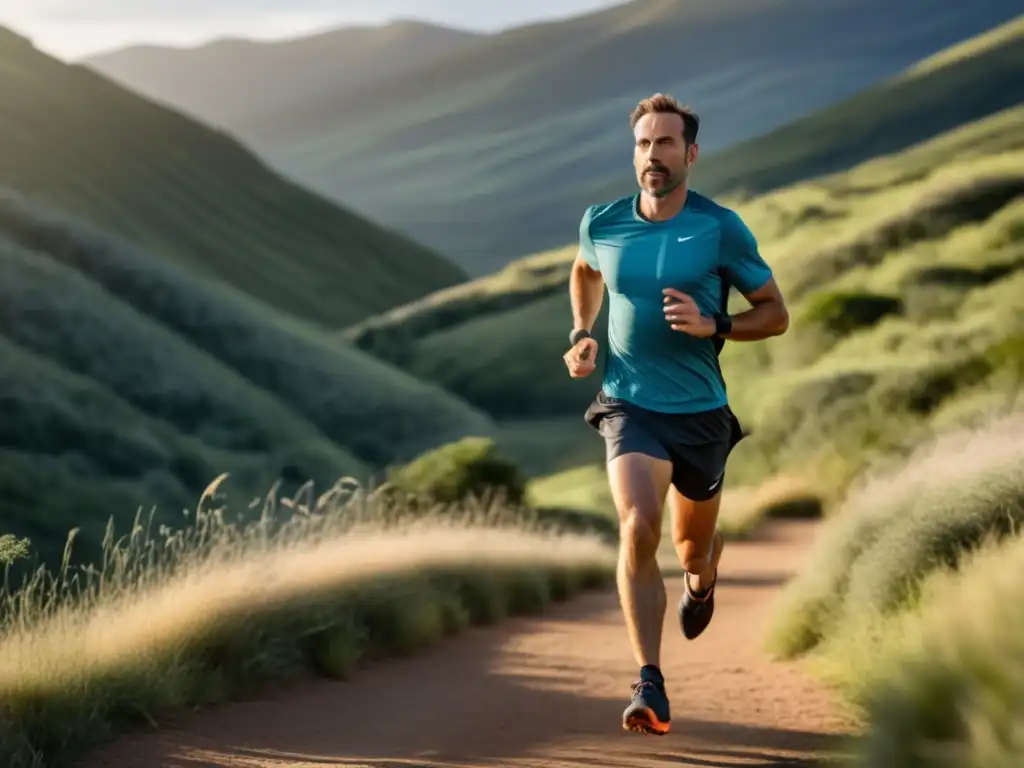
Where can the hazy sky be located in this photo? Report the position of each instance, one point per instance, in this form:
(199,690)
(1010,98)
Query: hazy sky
(73,28)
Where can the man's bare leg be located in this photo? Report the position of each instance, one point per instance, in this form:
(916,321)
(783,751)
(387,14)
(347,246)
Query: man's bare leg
(639,483)
(699,548)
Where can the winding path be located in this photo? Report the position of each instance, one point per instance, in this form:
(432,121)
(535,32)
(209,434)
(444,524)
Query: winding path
(545,692)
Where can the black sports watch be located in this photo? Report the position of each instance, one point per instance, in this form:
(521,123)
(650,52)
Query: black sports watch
(577,335)
(723,324)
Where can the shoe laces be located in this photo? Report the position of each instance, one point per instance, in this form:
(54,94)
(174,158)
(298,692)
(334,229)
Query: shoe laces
(640,685)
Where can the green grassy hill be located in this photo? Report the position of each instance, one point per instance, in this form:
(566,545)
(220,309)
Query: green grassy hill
(499,146)
(214,80)
(127,381)
(496,340)
(904,276)
(72,139)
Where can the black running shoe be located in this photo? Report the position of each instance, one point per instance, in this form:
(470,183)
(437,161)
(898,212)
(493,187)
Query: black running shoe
(648,711)
(696,608)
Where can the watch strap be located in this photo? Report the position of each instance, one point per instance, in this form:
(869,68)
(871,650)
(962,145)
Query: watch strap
(577,335)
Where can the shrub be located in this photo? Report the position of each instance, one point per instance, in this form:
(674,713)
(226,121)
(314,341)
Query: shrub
(12,549)
(1007,226)
(844,312)
(471,467)
(952,199)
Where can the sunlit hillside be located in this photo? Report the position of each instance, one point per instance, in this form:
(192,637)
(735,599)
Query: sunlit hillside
(72,139)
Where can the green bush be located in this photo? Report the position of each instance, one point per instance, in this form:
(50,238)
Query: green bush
(844,312)
(964,276)
(1006,227)
(471,467)
(13,549)
(962,199)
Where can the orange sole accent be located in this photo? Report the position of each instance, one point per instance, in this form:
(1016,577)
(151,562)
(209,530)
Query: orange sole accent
(645,721)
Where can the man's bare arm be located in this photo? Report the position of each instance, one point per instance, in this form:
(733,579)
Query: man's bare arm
(586,292)
(766,317)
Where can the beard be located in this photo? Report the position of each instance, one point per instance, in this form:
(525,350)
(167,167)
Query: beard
(665,183)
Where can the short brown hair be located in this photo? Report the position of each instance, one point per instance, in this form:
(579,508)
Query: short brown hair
(662,102)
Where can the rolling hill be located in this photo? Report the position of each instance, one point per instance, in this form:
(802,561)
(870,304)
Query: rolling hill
(501,144)
(904,276)
(967,81)
(72,139)
(215,81)
(128,381)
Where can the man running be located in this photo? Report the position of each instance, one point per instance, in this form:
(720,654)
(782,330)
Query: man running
(668,256)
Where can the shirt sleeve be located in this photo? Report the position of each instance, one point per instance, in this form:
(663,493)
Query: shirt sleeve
(586,242)
(740,257)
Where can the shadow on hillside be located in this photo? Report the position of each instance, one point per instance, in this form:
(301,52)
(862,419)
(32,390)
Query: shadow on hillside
(454,706)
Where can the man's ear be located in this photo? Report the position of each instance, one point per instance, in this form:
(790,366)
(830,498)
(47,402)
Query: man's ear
(692,151)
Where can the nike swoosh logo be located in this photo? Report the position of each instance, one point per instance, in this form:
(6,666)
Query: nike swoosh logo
(715,484)
(684,239)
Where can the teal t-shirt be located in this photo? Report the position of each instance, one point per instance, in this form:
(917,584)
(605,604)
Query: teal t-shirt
(647,363)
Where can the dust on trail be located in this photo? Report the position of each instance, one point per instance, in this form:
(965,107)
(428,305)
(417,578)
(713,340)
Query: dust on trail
(545,692)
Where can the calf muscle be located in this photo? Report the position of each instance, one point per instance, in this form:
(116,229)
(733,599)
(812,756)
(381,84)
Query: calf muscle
(694,537)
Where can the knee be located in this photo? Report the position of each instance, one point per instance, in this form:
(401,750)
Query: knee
(694,559)
(639,533)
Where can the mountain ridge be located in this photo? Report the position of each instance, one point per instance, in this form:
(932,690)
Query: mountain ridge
(525,125)
(214,81)
(74,139)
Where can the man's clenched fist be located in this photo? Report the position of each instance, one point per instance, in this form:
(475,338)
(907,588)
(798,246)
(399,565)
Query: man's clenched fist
(581,359)
(683,314)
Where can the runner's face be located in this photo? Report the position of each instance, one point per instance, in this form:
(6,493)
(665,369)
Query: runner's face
(661,158)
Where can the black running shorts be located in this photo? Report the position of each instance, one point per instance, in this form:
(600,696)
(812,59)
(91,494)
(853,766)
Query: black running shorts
(697,444)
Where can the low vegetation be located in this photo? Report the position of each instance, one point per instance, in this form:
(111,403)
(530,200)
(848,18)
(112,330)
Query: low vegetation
(896,526)
(910,603)
(952,687)
(189,617)
(743,509)
(468,468)
(521,283)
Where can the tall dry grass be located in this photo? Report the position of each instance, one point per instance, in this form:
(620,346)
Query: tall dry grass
(943,685)
(746,508)
(192,616)
(900,524)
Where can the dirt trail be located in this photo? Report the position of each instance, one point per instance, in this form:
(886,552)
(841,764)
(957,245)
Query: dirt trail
(545,692)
